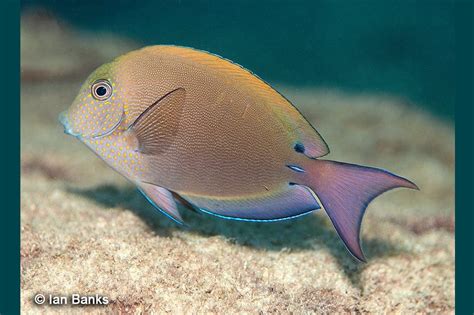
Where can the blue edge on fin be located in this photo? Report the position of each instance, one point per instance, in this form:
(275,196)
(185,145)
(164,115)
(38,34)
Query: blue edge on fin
(227,217)
(161,210)
(256,220)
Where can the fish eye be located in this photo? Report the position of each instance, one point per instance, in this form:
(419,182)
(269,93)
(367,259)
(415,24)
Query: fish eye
(101,90)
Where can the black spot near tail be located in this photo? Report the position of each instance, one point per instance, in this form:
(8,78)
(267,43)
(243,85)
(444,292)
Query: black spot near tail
(299,147)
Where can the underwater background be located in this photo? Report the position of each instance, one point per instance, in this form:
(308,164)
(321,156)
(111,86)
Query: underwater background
(374,77)
(405,48)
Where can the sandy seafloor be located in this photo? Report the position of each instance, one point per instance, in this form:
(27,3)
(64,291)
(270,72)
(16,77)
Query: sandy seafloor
(85,229)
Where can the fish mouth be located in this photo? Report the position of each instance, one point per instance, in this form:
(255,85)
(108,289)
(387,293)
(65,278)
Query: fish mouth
(68,130)
(64,121)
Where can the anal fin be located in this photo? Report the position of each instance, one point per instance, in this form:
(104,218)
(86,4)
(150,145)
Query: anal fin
(163,200)
(185,203)
(290,201)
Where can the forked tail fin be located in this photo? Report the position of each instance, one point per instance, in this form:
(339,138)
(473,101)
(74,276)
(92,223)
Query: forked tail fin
(345,190)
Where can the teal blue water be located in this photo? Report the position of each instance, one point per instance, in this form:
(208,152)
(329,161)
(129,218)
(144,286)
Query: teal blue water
(404,48)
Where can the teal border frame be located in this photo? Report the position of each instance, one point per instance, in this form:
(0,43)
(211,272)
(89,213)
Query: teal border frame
(464,159)
(10,158)
(10,184)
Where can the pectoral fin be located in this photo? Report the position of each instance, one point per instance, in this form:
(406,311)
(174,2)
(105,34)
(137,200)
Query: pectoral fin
(163,200)
(156,127)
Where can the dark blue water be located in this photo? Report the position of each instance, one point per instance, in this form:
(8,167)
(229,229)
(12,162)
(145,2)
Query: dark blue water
(404,48)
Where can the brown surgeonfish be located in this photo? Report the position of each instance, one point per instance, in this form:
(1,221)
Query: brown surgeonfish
(186,125)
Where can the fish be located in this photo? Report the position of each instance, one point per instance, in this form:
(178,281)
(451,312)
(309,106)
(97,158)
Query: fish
(190,127)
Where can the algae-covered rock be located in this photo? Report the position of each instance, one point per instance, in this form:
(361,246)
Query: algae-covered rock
(86,230)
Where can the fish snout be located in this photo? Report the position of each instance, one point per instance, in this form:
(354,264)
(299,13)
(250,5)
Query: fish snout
(65,122)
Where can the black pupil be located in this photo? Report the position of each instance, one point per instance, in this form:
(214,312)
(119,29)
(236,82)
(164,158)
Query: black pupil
(101,91)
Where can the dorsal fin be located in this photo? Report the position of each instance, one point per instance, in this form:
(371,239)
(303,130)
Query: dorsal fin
(292,120)
(156,127)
